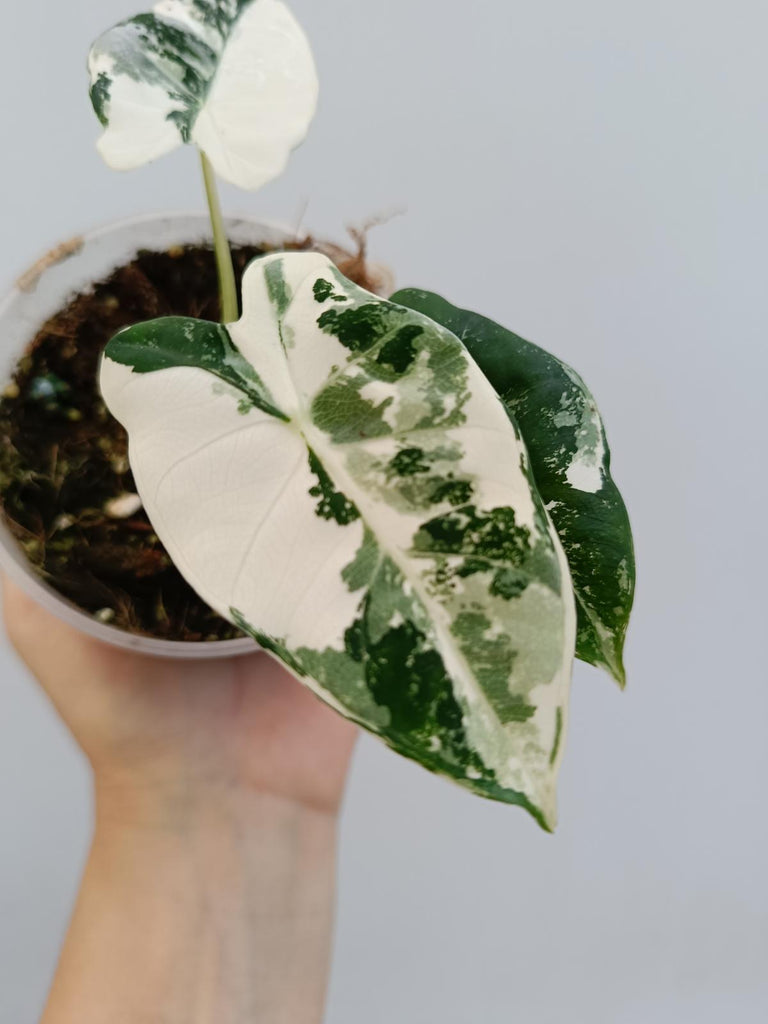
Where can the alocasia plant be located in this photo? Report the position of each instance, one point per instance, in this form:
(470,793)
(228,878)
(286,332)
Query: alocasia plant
(408,505)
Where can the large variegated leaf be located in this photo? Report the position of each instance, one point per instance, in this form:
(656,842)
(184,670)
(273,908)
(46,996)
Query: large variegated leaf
(236,77)
(570,460)
(337,476)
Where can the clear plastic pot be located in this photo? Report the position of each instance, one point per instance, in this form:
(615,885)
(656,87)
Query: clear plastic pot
(38,295)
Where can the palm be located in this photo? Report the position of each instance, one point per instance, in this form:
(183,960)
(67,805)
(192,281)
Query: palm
(237,721)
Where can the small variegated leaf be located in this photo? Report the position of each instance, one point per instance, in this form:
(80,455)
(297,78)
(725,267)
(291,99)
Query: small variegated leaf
(570,461)
(236,77)
(335,474)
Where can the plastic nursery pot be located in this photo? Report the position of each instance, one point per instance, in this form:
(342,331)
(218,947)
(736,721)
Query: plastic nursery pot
(37,296)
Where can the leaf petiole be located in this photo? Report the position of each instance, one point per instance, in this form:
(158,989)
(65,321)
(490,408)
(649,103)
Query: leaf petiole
(230,311)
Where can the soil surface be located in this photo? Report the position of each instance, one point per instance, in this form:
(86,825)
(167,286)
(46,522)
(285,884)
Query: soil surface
(65,482)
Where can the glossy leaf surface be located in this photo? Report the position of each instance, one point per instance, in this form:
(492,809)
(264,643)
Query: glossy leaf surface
(570,460)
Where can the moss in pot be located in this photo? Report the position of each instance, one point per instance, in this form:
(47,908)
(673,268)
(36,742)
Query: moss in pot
(406,504)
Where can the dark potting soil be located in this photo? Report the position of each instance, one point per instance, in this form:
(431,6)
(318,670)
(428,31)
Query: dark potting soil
(64,459)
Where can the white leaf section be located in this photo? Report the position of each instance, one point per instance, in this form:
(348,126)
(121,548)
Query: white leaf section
(262,100)
(140,129)
(227,491)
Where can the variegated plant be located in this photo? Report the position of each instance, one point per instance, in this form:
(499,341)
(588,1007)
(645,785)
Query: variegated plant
(335,474)
(406,504)
(234,77)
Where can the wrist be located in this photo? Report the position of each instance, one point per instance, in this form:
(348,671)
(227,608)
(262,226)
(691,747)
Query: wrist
(220,901)
(187,808)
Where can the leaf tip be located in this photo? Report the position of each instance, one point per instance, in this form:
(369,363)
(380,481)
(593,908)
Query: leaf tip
(616,668)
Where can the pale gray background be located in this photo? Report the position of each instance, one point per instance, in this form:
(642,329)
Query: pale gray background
(594,175)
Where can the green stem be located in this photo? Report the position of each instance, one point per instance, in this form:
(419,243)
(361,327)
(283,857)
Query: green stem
(230,311)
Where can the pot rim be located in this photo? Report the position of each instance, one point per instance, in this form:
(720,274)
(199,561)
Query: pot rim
(13,561)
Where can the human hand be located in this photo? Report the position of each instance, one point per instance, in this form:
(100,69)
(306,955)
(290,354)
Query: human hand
(164,735)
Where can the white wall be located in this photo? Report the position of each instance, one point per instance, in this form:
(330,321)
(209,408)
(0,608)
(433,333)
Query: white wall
(594,176)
